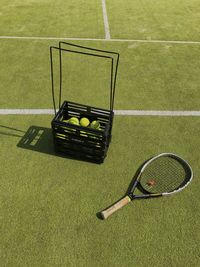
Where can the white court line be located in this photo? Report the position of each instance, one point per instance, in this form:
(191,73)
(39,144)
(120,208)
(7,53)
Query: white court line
(99,39)
(105,20)
(26,111)
(117,112)
(157,113)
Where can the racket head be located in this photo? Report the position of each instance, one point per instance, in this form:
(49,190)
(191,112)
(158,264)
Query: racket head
(165,174)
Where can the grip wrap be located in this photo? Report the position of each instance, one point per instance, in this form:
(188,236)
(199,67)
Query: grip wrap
(118,205)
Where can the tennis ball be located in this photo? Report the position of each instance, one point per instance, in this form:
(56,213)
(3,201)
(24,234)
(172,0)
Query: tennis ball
(74,120)
(95,125)
(66,121)
(84,122)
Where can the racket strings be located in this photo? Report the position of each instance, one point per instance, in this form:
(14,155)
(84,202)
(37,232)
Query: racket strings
(166,175)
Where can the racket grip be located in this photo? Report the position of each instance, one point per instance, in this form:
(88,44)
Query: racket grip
(118,205)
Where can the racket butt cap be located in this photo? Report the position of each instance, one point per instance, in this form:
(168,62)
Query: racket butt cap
(102,215)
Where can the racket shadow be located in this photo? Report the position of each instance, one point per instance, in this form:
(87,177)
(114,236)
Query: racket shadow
(99,214)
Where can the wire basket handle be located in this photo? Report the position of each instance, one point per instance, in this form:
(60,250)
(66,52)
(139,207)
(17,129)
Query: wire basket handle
(113,56)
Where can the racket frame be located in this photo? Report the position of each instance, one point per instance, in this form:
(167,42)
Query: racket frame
(130,196)
(165,193)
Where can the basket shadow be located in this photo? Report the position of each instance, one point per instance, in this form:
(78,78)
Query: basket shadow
(38,139)
(10,131)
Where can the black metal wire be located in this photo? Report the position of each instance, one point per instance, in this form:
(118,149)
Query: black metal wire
(113,72)
(113,86)
(88,48)
(115,79)
(52,79)
(60,93)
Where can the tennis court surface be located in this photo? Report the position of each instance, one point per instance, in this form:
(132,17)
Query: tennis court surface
(49,204)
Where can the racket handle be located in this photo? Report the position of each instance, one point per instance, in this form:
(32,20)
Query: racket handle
(118,205)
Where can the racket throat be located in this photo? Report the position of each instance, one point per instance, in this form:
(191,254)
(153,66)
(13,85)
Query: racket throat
(139,196)
(132,197)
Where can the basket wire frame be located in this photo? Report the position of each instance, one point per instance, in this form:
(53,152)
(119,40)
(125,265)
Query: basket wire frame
(103,114)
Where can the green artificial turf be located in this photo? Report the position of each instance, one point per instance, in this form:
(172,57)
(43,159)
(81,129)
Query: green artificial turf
(155,19)
(48,204)
(150,76)
(51,18)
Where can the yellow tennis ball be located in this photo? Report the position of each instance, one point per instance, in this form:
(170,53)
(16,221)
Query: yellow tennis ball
(84,122)
(74,120)
(95,125)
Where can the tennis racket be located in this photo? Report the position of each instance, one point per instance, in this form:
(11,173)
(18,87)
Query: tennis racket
(162,175)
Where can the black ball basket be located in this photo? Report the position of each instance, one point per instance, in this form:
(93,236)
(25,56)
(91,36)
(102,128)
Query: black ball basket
(72,140)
